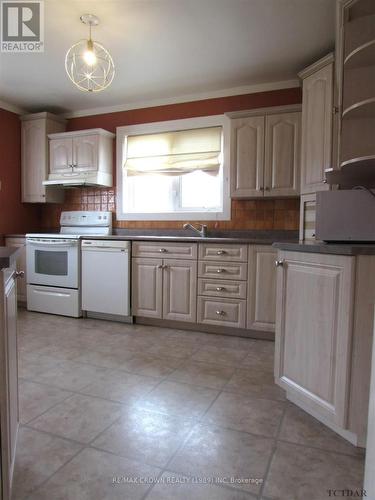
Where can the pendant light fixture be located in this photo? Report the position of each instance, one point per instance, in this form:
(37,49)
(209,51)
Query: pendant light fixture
(89,65)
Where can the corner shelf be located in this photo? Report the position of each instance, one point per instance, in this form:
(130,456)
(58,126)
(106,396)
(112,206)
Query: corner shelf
(361,56)
(362,109)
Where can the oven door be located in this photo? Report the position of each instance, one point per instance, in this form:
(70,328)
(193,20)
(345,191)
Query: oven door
(52,262)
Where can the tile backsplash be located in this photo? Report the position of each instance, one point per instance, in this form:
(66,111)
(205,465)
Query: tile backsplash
(246,214)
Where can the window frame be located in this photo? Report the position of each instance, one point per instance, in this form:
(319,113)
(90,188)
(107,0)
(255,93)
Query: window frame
(170,126)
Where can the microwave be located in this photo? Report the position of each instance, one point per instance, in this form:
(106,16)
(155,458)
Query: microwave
(346,215)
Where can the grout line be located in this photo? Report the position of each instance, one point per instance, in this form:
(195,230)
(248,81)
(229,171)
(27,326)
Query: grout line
(266,472)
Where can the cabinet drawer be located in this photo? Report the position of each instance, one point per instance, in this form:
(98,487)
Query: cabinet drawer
(210,251)
(169,250)
(221,288)
(224,312)
(221,270)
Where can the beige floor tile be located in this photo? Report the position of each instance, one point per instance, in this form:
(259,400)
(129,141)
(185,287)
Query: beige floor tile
(178,399)
(121,386)
(216,452)
(150,364)
(174,348)
(90,476)
(80,418)
(243,413)
(38,456)
(299,473)
(30,364)
(204,374)
(145,436)
(220,355)
(70,375)
(35,399)
(259,360)
(228,341)
(301,428)
(176,487)
(256,383)
(106,358)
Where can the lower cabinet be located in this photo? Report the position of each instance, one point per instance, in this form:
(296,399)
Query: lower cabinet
(324,329)
(261,303)
(165,289)
(9,379)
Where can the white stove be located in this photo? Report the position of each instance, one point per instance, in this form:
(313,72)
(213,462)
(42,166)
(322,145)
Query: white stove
(54,260)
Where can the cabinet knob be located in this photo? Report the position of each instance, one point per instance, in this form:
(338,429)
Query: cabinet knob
(220,270)
(19,274)
(221,252)
(220,288)
(267,189)
(220,313)
(160,266)
(163,250)
(279,263)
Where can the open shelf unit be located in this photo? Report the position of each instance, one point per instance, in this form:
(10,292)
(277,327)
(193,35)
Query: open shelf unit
(358,100)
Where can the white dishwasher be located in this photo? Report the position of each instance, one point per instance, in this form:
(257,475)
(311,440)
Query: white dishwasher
(106,277)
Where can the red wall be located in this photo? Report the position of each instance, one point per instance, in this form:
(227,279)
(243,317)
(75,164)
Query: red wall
(15,217)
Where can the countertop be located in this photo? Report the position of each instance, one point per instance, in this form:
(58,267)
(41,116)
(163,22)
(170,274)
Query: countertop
(328,248)
(8,256)
(254,237)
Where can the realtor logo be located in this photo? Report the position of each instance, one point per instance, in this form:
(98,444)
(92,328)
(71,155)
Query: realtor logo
(22,26)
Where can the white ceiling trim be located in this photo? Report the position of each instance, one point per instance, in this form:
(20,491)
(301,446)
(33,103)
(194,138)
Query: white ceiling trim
(12,108)
(246,89)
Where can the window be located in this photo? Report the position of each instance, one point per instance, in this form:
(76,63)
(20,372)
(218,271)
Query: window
(174,170)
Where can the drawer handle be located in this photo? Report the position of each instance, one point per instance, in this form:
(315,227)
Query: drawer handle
(162,266)
(221,313)
(220,288)
(163,250)
(221,252)
(279,263)
(220,270)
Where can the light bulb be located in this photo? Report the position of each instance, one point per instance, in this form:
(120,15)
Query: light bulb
(89,55)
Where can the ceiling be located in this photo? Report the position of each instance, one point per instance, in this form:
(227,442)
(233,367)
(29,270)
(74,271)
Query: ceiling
(166,49)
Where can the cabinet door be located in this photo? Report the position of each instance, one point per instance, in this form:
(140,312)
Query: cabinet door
(316,129)
(85,153)
(313,332)
(21,265)
(34,161)
(9,380)
(180,290)
(147,282)
(61,158)
(282,155)
(261,305)
(247,157)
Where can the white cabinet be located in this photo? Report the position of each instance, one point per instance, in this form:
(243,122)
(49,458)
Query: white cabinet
(282,155)
(261,301)
(21,265)
(34,155)
(317,117)
(9,379)
(265,154)
(324,330)
(85,156)
(165,288)
(247,156)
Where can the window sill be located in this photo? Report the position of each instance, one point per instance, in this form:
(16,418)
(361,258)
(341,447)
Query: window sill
(177,216)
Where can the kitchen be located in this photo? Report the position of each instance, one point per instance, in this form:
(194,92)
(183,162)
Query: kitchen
(187,302)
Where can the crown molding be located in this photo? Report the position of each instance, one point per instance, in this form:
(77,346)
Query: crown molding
(317,65)
(246,89)
(12,108)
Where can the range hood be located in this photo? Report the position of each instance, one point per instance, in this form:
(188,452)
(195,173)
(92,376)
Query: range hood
(77,179)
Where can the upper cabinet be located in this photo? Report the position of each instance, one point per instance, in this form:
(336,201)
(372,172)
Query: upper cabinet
(82,157)
(265,153)
(317,114)
(34,151)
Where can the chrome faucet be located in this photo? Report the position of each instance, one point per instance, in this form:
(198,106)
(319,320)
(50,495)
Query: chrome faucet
(202,231)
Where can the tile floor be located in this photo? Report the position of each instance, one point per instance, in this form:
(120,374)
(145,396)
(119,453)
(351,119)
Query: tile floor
(112,411)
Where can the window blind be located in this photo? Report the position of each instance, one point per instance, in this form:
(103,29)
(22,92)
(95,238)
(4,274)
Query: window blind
(174,153)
